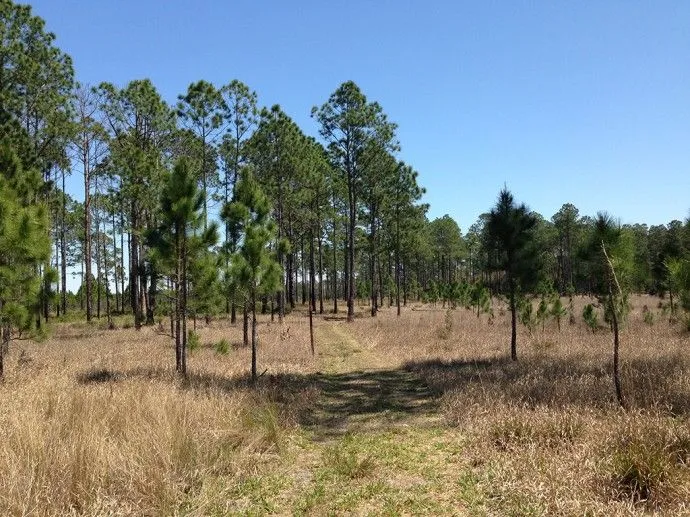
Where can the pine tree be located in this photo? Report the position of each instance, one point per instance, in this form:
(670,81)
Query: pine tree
(254,266)
(24,245)
(178,242)
(511,232)
(350,123)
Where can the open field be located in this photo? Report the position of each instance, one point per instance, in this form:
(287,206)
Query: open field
(421,414)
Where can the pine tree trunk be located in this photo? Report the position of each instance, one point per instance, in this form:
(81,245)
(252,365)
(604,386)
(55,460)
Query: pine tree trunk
(616,360)
(153,295)
(122,254)
(289,286)
(335,269)
(312,275)
(99,279)
(397,280)
(82,288)
(57,261)
(178,308)
(311,330)
(513,321)
(63,251)
(87,239)
(106,283)
(351,288)
(304,271)
(183,362)
(404,283)
(372,262)
(115,278)
(253,301)
(321,290)
(134,269)
(245,324)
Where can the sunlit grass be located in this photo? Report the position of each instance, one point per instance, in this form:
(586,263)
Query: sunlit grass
(390,416)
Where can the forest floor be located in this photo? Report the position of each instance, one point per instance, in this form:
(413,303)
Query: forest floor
(418,414)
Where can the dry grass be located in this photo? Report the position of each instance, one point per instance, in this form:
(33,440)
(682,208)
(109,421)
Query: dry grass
(421,414)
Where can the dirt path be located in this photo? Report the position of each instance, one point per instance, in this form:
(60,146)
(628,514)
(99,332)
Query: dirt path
(355,397)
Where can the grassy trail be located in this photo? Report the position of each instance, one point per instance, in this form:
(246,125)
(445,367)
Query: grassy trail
(357,397)
(375,440)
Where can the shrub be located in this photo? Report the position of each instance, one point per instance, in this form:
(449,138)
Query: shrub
(193,341)
(445,331)
(589,314)
(527,316)
(558,311)
(645,460)
(222,347)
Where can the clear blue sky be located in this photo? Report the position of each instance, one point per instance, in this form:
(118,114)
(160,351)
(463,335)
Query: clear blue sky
(581,102)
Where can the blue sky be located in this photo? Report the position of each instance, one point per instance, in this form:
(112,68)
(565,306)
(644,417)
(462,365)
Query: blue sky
(581,102)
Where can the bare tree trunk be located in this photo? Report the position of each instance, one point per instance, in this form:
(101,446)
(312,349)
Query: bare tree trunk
(184,305)
(178,305)
(513,320)
(311,330)
(134,270)
(253,302)
(122,253)
(245,324)
(87,235)
(57,258)
(117,289)
(63,251)
(321,293)
(105,279)
(372,263)
(351,288)
(312,275)
(335,269)
(613,280)
(304,270)
(99,279)
(616,361)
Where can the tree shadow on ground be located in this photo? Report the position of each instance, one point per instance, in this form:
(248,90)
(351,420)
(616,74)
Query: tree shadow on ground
(654,383)
(338,403)
(332,404)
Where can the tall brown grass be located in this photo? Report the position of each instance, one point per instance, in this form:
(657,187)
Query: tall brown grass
(94,422)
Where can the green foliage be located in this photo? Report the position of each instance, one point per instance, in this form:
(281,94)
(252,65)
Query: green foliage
(480,298)
(179,247)
(254,267)
(679,279)
(527,315)
(24,242)
(193,341)
(345,461)
(222,347)
(623,307)
(511,231)
(542,312)
(557,311)
(34,89)
(589,314)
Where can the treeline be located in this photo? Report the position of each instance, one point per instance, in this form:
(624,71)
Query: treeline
(217,206)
